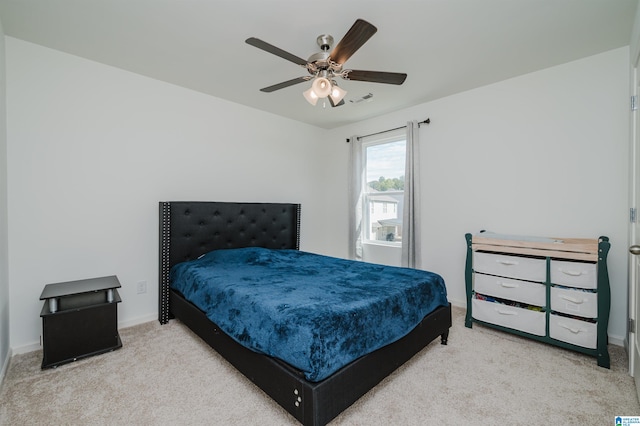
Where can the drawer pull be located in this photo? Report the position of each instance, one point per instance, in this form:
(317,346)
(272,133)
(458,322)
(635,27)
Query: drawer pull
(572,299)
(571,273)
(508,285)
(506,262)
(573,330)
(504,312)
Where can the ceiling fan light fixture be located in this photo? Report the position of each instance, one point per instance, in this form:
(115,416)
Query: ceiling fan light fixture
(328,64)
(322,87)
(310,96)
(337,94)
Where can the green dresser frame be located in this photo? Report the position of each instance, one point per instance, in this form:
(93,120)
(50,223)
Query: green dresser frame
(601,351)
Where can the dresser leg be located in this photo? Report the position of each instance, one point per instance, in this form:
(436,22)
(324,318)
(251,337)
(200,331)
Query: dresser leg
(603,358)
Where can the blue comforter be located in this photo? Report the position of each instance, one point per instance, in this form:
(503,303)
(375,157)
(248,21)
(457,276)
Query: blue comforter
(316,313)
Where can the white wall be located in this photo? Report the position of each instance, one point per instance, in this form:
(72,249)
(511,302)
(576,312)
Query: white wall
(542,154)
(91,151)
(5,352)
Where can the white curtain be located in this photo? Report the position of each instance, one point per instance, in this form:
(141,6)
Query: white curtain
(411,248)
(355,199)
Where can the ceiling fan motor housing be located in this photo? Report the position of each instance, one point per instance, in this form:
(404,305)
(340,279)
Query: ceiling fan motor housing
(318,61)
(325,41)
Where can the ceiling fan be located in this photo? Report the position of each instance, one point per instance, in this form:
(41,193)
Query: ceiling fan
(325,66)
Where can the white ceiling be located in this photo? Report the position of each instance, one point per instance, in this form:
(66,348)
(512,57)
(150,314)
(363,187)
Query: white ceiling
(445,46)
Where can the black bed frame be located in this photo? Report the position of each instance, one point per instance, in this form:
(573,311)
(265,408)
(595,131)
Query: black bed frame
(190,229)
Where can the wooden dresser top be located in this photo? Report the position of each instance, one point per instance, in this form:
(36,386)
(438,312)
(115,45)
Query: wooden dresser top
(562,248)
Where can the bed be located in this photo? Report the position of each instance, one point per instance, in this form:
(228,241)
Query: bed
(212,230)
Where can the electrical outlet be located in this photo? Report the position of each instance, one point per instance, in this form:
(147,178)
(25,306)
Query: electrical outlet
(142,287)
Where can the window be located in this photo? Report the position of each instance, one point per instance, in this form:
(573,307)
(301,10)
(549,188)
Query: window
(384,162)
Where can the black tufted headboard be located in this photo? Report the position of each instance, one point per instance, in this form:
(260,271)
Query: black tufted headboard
(189,229)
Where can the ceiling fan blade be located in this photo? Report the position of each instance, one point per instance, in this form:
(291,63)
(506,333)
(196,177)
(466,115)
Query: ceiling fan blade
(285,84)
(358,34)
(256,42)
(375,76)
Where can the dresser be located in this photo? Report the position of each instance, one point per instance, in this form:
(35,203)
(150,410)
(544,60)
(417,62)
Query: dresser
(554,290)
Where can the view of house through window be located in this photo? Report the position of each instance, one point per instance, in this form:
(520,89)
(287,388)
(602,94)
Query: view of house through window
(384,190)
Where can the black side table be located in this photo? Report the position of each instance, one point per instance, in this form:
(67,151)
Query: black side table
(79,319)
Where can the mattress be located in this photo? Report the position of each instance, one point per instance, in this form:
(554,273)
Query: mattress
(316,313)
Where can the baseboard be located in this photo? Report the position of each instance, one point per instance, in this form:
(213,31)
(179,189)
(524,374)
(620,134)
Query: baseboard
(5,367)
(137,320)
(458,303)
(26,348)
(617,340)
(35,346)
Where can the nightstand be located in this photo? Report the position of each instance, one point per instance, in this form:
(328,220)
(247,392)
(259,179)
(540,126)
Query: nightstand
(79,319)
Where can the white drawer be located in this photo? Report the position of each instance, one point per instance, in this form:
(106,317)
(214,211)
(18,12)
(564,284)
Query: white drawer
(516,318)
(524,268)
(574,302)
(574,274)
(506,288)
(573,331)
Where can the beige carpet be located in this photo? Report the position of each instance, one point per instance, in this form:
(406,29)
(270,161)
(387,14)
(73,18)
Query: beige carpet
(167,375)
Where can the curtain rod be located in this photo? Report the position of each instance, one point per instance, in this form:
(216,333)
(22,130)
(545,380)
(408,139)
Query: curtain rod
(427,121)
